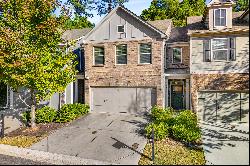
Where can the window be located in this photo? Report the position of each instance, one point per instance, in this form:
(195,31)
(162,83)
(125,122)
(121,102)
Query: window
(121,29)
(177,55)
(121,54)
(99,55)
(219,49)
(220,17)
(145,54)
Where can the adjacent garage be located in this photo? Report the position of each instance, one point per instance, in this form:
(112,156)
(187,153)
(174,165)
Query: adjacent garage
(224,106)
(123,100)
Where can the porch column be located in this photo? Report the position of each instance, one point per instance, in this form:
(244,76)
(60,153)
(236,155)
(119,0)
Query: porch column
(11,98)
(187,93)
(166,92)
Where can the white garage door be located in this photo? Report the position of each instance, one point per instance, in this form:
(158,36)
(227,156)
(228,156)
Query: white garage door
(123,100)
(226,107)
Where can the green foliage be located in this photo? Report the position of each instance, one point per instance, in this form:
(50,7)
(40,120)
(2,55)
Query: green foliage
(69,112)
(78,22)
(45,115)
(241,5)
(185,127)
(162,115)
(26,117)
(160,130)
(181,125)
(174,9)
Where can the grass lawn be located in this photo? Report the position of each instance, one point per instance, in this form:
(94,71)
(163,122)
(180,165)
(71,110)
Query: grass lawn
(170,152)
(25,137)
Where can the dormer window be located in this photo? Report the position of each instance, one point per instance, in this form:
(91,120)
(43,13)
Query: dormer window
(220,16)
(120,28)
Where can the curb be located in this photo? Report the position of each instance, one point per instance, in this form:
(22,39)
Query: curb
(46,157)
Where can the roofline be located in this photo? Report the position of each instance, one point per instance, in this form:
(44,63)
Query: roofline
(163,35)
(245,13)
(193,34)
(212,2)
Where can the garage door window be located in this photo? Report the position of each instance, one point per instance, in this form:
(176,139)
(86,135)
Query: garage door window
(98,55)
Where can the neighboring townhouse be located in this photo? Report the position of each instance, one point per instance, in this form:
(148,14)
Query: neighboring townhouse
(219,63)
(124,63)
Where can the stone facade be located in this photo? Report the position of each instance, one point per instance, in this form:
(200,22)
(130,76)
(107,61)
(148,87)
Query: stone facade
(216,82)
(132,74)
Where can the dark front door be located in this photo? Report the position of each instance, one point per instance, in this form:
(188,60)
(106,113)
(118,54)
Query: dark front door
(177,97)
(3,95)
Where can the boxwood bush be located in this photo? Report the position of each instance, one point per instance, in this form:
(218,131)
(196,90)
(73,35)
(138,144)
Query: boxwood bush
(45,115)
(181,125)
(186,128)
(69,112)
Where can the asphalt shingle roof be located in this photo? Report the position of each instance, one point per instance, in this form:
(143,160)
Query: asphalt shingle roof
(75,33)
(162,25)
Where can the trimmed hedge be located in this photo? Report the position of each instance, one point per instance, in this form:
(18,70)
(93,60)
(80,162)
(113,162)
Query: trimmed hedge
(181,125)
(69,112)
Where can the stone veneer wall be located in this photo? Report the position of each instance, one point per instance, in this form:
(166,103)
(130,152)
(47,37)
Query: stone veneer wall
(130,75)
(216,82)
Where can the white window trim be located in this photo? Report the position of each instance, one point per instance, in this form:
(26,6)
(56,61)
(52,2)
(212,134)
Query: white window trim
(173,55)
(116,55)
(228,49)
(124,25)
(94,56)
(220,26)
(139,53)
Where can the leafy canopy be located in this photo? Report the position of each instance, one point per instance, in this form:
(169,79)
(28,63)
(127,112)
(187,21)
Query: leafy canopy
(29,53)
(173,9)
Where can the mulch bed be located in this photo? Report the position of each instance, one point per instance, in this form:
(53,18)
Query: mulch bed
(40,130)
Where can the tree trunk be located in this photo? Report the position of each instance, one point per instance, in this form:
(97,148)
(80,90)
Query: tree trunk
(33,110)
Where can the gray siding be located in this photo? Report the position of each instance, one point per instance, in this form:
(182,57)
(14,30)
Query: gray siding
(135,30)
(241,65)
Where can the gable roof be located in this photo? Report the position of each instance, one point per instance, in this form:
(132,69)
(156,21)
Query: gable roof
(162,25)
(163,35)
(75,34)
(178,34)
(219,2)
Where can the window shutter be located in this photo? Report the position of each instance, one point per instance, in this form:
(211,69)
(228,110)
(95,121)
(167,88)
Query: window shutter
(207,50)
(232,53)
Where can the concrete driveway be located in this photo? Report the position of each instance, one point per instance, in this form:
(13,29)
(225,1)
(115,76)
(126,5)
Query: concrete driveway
(114,138)
(226,144)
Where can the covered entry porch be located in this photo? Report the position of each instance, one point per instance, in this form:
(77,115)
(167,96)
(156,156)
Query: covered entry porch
(177,91)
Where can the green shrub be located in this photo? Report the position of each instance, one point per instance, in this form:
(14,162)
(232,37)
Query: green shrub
(26,117)
(185,127)
(45,115)
(160,130)
(162,115)
(69,112)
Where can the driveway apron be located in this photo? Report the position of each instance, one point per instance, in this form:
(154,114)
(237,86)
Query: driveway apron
(115,138)
(225,144)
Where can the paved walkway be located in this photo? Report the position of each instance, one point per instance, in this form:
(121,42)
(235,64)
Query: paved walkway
(9,160)
(114,138)
(226,144)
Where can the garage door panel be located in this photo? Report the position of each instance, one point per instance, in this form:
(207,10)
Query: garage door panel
(122,100)
(228,107)
(223,107)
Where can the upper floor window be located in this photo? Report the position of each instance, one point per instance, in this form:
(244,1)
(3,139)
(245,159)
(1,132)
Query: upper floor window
(98,55)
(220,16)
(120,28)
(121,54)
(177,55)
(145,54)
(219,49)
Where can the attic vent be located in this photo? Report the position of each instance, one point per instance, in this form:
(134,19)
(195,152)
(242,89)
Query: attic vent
(120,29)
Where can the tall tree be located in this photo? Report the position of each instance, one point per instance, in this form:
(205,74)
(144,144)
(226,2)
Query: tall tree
(173,9)
(29,52)
(85,7)
(241,5)
(77,22)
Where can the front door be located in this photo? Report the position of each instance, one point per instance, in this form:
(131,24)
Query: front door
(177,97)
(3,95)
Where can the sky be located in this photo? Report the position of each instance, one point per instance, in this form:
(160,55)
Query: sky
(136,6)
